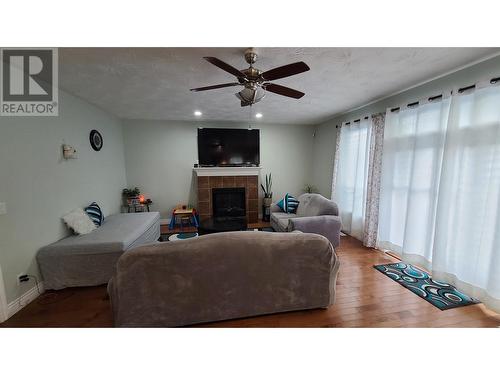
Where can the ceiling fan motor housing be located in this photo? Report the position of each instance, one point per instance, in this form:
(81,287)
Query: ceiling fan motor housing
(252,74)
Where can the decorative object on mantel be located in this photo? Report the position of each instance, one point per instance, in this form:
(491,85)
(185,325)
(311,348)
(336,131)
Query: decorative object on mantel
(310,189)
(96,140)
(69,152)
(268,198)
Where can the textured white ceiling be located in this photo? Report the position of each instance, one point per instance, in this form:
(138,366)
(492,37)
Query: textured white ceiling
(154,83)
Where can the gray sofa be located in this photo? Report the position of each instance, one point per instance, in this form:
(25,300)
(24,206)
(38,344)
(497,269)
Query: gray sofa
(222,276)
(90,259)
(315,214)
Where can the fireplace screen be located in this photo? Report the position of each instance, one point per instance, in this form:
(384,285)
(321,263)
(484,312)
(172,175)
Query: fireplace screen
(228,202)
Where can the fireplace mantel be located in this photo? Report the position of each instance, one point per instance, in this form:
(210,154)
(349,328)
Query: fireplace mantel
(227,171)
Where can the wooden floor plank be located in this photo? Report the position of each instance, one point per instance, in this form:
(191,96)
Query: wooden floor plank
(365,298)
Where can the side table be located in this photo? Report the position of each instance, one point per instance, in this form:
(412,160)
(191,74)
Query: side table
(139,207)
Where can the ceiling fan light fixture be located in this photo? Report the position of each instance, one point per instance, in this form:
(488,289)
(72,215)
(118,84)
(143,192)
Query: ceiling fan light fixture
(251,95)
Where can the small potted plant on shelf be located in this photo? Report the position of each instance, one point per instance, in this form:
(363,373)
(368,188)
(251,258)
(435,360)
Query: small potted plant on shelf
(268,198)
(131,196)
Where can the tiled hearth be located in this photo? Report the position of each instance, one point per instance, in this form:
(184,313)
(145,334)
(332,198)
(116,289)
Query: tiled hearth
(207,183)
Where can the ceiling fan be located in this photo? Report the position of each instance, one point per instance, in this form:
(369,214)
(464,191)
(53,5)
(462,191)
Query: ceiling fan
(256,82)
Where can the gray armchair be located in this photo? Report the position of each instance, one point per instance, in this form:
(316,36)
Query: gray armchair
(315,214)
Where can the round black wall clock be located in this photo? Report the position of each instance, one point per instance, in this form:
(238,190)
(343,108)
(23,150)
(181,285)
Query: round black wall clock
(96,140)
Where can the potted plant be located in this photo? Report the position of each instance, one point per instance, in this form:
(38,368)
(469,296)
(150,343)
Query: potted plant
(310,188)
(268,194)
(131,196)
(268,197)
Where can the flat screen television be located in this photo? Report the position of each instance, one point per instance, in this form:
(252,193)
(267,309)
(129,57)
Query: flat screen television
(228,147)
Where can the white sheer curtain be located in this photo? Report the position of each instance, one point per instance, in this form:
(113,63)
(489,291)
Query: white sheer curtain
(411,166)
(352,175)
(439,203)
(467,237)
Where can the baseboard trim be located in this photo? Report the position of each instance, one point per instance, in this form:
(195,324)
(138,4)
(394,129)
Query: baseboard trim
(27,297)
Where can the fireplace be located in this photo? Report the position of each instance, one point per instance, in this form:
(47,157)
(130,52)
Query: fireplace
(219,178)
(228,202)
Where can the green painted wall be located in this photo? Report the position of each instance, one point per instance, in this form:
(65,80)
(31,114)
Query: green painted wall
(39,187)
(160,156)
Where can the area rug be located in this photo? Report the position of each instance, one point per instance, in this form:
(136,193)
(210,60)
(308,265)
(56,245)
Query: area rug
(442,295)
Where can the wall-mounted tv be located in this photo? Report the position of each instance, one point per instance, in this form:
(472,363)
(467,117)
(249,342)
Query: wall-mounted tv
(220,147)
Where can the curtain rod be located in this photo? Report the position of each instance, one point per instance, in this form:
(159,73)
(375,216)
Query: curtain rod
(358,120)
(461,90)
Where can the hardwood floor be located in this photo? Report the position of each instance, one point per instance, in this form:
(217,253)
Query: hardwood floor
(365,298)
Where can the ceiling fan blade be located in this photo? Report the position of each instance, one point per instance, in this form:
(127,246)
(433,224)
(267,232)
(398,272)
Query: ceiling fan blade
(215,86)
(282,90)
(224,66)
(285,71)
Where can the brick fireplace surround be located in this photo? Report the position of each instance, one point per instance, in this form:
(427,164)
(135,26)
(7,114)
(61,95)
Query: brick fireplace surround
(207,183)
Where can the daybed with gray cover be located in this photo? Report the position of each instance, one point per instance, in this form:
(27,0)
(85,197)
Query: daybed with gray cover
(90,259)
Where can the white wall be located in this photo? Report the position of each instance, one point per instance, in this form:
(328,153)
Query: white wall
(39,187)
(324,144)
(159,158)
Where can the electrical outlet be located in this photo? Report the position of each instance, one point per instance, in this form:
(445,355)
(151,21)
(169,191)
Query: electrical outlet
(22,278)
(3,208)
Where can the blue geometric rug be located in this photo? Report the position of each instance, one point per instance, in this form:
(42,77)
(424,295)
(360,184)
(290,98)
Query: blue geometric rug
(443,296)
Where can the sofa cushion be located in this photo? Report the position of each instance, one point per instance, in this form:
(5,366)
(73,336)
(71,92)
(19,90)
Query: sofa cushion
(281,220)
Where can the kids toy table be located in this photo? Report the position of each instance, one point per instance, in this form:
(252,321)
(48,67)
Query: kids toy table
(183,216)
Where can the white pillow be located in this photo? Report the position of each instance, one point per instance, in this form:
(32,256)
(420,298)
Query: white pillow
(79,221)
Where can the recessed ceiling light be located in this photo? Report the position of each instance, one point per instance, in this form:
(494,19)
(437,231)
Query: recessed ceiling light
(197,113)
(258,115)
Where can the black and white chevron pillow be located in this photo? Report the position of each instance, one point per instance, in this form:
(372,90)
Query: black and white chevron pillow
(95,213)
